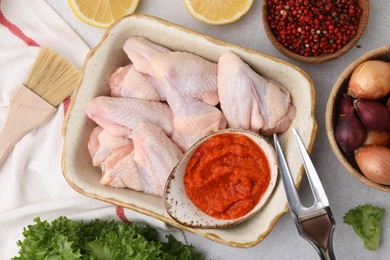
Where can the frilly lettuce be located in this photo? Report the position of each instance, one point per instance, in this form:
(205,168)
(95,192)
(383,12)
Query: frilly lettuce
(365,221)
(98,239)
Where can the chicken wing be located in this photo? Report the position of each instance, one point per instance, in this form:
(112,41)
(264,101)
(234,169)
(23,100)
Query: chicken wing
(250,101)
(193,76)
(192,118)
(141,51)
(128,82)
(155,154)
(120,115)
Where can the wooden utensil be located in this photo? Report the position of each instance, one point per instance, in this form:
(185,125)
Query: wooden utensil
(50,81)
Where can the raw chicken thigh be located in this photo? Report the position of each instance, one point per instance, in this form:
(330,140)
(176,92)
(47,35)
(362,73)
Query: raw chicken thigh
(184,88)
(155,154)
(249,101)
(120,115)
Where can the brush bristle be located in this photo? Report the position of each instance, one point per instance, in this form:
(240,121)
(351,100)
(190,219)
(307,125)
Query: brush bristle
(52,77)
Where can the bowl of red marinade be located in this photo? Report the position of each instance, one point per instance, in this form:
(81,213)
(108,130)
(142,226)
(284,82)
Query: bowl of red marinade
(222,180)
(358,118)
(315,31)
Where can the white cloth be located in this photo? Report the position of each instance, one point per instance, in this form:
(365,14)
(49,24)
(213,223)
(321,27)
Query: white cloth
(31,181)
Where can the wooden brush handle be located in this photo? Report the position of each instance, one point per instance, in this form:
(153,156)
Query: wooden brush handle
(26,111)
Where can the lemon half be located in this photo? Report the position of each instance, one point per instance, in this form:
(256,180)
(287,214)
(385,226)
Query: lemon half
(102,13)
(218,11)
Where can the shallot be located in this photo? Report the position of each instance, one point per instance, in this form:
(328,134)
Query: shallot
(373,114)
(377,138)
(370,80)
(349,133)
(345,105)
(374,163)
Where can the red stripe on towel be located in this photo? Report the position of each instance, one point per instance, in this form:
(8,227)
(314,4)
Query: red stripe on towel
(16,30)
(66,104)
(120,212)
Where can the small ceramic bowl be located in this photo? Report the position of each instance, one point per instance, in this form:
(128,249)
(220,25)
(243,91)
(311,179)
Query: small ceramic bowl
(364,4)
(338,89)
(180,207)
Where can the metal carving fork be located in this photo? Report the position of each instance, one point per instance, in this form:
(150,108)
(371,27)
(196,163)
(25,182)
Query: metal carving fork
(316,223)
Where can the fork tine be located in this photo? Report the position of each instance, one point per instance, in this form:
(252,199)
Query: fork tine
(288,182)
(311,173)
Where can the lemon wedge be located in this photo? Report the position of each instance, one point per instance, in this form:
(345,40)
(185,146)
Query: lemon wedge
(218,11)
(102,13)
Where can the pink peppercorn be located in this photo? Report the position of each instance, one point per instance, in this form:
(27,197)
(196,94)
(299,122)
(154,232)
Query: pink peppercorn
(313,27)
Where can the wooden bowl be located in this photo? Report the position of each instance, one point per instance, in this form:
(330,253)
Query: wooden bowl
(338,89)
(364,4)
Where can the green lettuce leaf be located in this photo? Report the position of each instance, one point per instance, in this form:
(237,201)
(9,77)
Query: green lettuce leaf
(365,221)
(98,239)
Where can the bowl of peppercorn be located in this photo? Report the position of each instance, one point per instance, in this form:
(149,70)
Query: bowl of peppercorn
(315,31)
(357,118)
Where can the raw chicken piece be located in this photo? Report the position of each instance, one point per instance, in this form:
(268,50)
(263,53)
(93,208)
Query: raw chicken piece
(134,84)
(141,51)
(120,115)
(115,155)
(93,143)
(121,171)
(155,155)
(117,77)
(102,144)
(194,76)
(251,102)
(192,119)
(113,167)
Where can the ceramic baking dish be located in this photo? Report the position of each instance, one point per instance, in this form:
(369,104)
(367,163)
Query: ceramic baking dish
(108,55)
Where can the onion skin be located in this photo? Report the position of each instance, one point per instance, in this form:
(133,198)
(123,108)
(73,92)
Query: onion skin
(349,133)
(370,80)
(373,114)
(377,138)
(374,163)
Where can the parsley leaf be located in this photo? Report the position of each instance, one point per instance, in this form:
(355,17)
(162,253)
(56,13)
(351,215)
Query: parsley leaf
(365,221)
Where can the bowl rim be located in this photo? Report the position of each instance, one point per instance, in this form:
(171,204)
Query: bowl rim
(266,147)
(363,21)
(337,88)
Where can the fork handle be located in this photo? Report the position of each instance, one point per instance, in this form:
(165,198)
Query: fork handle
(319,232)
(326,253)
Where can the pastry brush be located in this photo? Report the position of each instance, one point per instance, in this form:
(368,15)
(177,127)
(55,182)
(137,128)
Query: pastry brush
(50,81)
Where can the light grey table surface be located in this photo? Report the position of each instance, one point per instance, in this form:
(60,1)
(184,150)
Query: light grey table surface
(343,190)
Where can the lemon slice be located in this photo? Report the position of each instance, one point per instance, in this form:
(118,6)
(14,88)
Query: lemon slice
(102,13)
(218,11)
